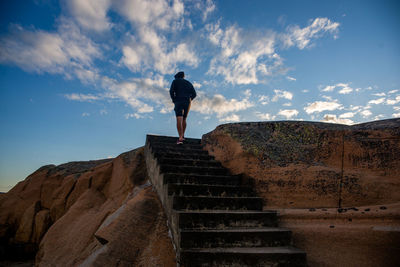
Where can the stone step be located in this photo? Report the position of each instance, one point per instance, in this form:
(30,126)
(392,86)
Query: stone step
(244,257)
(178,149)
(251,237)
(179,178)
(217,203)
(171,139)
(194,170)
(222,219)
(170,155)
(167,146)
(188,162)
(210,190)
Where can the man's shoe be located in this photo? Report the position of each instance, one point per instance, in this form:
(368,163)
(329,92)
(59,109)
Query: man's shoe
(179,142)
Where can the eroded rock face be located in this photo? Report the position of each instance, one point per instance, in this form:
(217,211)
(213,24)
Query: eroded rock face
(336,187)
(304,164)
(90,213)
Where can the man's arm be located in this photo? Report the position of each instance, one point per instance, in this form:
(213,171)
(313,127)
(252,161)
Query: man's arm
(193,93)
(172,91)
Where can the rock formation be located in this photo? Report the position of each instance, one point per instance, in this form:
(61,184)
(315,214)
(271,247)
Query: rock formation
(304,164)
(337,187)
(87,213)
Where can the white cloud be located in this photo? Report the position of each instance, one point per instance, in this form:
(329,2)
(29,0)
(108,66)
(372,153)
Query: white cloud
(66,52)
(85,114)
(329,88)
(149,50)
(379,117)
(288,113)
(133,115)
(305,91)
(243,57)
(319,106)
(366,113)
(263,99)
(264,116)
(326,97)
(291,78)
(393,101)
(396,108)
(230,118)
(287,105)
(103,112)
(396,115)
(247,93)
(379,94)
(393,91)
(347,115)
(197,85)
(346,89)
(157,13)
(356,108)
(218,104)
(282,94)
(137,90)
(331,118)
(302,37)
(377,101)
(206,7)
(91,14)
(82,97)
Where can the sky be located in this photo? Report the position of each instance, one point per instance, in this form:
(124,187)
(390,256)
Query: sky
(85,80)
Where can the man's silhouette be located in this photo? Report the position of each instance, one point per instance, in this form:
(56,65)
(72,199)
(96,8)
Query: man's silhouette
(182,93)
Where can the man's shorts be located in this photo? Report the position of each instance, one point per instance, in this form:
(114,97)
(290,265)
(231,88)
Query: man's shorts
(181,109)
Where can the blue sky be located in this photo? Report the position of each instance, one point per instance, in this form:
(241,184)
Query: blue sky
(82,80)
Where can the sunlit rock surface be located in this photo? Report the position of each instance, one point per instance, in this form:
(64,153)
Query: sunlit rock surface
(304,164)
(99,213)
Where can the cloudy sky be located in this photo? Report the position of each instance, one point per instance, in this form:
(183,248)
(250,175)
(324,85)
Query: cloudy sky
(83,80)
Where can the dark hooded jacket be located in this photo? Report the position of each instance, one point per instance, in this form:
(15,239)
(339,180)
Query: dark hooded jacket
(181,90)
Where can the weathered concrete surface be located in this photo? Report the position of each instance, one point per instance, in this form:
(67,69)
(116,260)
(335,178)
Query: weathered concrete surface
(336,187)
(304,164)
(362,236)
(64,209)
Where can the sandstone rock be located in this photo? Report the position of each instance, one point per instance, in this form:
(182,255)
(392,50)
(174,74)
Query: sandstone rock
(62,207)
(68,240)
(327,181)
(60,197)
(26,226)
(142,220)
(349,238)
(42,224)
(304,164)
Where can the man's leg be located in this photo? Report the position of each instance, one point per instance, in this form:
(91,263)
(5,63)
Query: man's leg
(184,119)
(183,126)
(179,127)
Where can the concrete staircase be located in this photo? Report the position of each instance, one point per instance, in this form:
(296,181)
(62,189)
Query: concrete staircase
(213,219)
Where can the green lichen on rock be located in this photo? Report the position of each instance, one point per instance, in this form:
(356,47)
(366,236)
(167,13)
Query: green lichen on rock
(285,142)
(280,142)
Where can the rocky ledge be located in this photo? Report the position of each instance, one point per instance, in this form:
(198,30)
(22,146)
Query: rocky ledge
(94,213)
(308,164)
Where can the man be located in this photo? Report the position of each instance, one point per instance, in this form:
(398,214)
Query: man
(182,93)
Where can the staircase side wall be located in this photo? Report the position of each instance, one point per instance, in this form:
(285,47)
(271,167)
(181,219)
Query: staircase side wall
(157,180)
